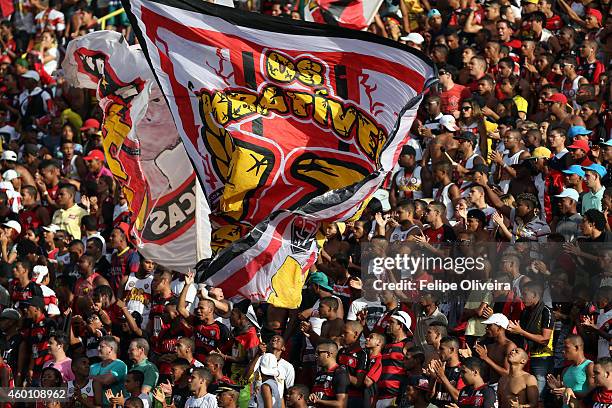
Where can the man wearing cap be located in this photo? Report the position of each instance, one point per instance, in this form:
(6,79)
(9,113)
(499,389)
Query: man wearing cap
(90,126)
(569,222)
(406,182)
(37,335)
(547,183)
(579,149)
(34,101)
(444,142)
(10,326)
(593,176)
(393,368)
(227,396)
(414,40)
(556,105)
(495,354)
(95,166)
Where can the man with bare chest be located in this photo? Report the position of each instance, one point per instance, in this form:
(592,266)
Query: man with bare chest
(444,142)
(495,355)
(332,328)
(518,389)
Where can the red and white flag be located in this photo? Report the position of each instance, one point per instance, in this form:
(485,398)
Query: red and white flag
(289,125)
(354,14)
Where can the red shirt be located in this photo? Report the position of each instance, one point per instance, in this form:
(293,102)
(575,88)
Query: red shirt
(452,98)
(393,370)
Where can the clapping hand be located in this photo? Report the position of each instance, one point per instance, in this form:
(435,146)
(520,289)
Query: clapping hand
(481,350)
(554,382)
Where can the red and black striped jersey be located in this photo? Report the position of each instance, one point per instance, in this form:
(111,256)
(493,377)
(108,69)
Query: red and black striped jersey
(328,384)
(210,337)
(392,369)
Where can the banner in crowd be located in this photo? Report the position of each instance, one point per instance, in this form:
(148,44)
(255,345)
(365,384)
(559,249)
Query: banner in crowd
(288,124)
(142,148)
(355,14)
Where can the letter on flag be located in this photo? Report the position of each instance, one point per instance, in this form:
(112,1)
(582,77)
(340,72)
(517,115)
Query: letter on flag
(288,124)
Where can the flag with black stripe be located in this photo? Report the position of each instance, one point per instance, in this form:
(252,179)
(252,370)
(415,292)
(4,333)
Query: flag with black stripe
(288,124)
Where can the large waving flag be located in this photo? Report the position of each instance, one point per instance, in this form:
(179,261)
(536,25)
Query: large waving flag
(288,125)
(143,149)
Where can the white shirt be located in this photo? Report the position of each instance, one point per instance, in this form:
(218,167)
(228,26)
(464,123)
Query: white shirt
(207,401)
(285,380)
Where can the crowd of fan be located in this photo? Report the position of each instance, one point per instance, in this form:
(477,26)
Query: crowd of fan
(509,161)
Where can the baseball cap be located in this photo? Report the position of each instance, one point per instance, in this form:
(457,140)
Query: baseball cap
(9,155)
(595,13)
(5,59)
(608,143)
(574,169)
(94,155)
(31,148)
(14,225)
(10,175)
(39,272)
(125,228)
(541,153)
(580,144)
(577,130)
(557,97)
(31,75)
(224,387)
(469,136)
(414,37)
(10,314)
(90,124)
(532,1)
(448,121)
(479,168)
(499,319)
(321,279)
(433,13)
(268,365)
(569,193)
(51,228)
(35,301)
(597,168)
(404,318)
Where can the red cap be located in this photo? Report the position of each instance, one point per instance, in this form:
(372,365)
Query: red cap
(595,13)
(90,124)
(94,154)
(5,59)
(125,228)
(580,144)
(558,97)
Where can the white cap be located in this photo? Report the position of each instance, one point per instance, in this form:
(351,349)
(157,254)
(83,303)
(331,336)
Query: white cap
(570,193)
(9,155)
(449,122)
(10,175)
(10,130)
(268,365)
(31,75)
(51,228)
(499,319)
(14,225)
(404,318)
(414,37)
(39,272)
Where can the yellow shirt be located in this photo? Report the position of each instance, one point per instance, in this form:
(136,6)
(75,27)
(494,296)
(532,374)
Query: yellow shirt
(70,220)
